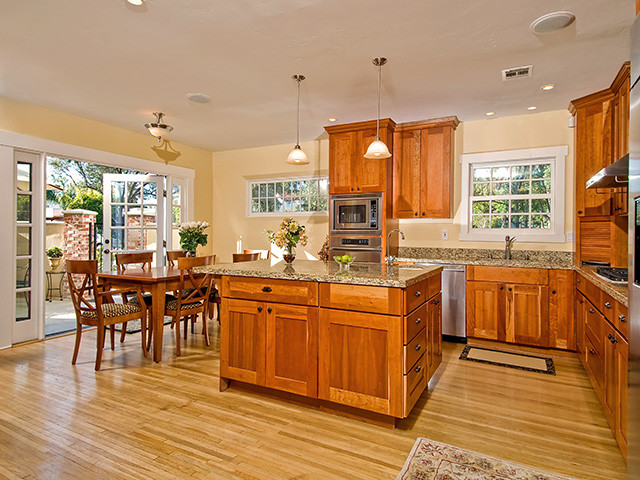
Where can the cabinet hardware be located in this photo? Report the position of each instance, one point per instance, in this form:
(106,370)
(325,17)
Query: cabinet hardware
(259,309)
(591,310)
(617,208)
(418,293)
(622,318)
(436,302)
(418,347)
(553,292)
(423,214)
(358,188)
(106,250)
(352,189)
(581,301)
(269,310)
(501,288)
(418,320)
(579,281)
(591,351)
(418,368)
(607,304)
(609,336)
(415,214)
(266,289)
(510,289)
(579,212)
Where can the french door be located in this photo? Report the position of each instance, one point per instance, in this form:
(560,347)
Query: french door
(134,216)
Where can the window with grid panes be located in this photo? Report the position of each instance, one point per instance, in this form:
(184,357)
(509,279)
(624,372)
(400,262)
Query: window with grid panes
(288,196)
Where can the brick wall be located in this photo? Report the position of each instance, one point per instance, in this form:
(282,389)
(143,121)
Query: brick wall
(75,236)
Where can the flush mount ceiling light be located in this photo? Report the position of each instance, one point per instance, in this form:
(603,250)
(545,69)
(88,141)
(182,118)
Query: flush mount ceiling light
(158,128)
(198,97)
(332,119)
(531,107)
(135,2)
(547,87)
(490,114)
(297,155)
(378,149)
(552,22)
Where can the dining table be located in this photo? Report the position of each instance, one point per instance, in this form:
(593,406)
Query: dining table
(154,280)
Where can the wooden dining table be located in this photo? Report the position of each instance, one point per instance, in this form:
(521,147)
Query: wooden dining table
(155,280)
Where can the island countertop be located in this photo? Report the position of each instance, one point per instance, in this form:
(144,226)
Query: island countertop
(372,274)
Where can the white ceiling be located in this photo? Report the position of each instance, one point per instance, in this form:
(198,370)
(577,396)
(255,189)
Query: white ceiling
(115,63)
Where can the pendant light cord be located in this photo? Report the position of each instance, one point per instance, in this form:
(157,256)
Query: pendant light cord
(378,118)
(298,116)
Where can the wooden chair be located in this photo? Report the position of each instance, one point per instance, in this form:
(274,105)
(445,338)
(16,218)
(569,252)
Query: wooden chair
(105,313)
(173,255)
(192,297)
(245,257)
(123,261)
(264,254)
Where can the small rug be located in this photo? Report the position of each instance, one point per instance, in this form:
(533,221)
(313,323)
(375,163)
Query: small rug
(530,363)
(133,326)
(431,460)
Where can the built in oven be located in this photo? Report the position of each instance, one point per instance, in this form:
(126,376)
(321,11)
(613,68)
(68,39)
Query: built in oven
(362,249)
(356,214)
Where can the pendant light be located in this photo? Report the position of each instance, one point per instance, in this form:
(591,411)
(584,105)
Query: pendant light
(158,129)
(297,156)
(378,149)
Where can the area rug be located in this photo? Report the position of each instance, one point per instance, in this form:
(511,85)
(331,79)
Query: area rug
(431,460)
(530,363)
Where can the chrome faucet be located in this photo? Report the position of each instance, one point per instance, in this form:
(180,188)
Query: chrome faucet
(507,248)
(390,258)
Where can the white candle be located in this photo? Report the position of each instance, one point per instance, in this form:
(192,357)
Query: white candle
(239,245)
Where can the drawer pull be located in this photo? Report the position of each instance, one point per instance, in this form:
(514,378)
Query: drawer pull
(607,304)
(418,368)
(622,318)
(269,310)
(418,320)
(591,351)
(436,302)
(266,289)
(418,293)
(259,309)
(579,281)
(418,347)
(581,301)
(591,310)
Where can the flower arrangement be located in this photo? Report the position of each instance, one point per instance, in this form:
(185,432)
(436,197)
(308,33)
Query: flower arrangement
(288,236)
(191,235)
(54,252)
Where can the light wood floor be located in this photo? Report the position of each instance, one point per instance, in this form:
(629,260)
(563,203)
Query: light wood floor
(136,419)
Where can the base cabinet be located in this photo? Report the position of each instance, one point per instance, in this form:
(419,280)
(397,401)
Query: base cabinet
(434,351)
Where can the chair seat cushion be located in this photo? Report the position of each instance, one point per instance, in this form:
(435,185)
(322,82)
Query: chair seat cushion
(173,304)
(110,310)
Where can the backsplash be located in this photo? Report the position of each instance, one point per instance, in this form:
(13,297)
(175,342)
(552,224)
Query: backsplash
(475,254)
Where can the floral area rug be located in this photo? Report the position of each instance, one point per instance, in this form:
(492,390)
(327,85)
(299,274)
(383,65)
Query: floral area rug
(431,460)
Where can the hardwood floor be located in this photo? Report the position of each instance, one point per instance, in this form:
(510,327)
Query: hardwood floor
(136,419)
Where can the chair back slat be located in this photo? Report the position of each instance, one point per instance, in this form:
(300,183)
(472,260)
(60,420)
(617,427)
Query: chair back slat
(194,287)
(144,259)
(85,287)
(245,257)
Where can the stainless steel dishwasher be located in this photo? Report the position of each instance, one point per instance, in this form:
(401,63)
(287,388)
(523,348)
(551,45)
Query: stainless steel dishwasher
(454,302)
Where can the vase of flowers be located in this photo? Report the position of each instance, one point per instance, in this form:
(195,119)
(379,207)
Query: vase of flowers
(287,237)
(54,254)
(191,235)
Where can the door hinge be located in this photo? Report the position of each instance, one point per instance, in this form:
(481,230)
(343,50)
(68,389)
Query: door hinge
(164,243)
(164,193)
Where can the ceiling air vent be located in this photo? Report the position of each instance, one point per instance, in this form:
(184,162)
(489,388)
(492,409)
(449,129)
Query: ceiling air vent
(517,72)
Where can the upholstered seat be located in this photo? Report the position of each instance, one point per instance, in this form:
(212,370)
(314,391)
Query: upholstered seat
(173,304)
(110,310)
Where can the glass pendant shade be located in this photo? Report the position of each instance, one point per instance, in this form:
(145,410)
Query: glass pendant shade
(297,156)
(377,149)
(159,130)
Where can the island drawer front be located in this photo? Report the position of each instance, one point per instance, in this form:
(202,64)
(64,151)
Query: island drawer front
(621,320)
(414,322)
(527,276)
(414,350)
(595,365)
(270,290)
(415,383)
(594,327)
(415,295)
(361,298)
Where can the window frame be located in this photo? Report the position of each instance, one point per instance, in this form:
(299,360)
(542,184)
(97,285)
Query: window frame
(556,156)
(253,181)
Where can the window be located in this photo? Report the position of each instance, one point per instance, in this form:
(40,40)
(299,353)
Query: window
(288,196)
(517,192)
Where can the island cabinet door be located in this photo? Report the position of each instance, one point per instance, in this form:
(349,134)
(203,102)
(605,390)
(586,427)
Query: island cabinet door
(434,353)
(292,349)
(242,341)
(360,360)
(528,314)
(486,310)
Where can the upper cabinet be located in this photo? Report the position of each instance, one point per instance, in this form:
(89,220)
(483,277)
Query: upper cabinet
(349,171)
(422,162)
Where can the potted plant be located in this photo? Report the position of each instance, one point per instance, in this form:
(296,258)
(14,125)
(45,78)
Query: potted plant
(191,235)
(288,236)
(54,254)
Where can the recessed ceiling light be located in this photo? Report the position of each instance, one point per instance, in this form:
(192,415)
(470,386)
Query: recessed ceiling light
(532,107)
(199,97)
(552,22)
(332,119)
(549,86)
(490,114)
(135,2)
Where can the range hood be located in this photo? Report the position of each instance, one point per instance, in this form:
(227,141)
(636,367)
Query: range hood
(615,175)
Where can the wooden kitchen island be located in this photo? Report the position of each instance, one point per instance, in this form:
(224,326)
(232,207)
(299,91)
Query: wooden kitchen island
(363,343)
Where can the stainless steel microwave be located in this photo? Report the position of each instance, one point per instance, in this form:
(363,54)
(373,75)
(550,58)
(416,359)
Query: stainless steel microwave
(356,213)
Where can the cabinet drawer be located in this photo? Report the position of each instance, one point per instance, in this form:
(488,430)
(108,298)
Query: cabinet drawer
(415,383)
(621,319)
(594,326)
(361,298)
(434,285)
(414,350)
(528,276)
(415,295)
(414,322)
(607,305)
(595,366)
(270,290)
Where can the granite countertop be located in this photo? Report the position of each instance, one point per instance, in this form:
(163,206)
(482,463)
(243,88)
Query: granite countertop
(617,291)
(372,274)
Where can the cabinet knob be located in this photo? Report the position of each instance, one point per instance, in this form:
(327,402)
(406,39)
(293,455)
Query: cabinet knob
(510,289)
(423,214)
(269,310)
(352,189)
(436,302)
(591,310)
(591,351)
(358,188)
(553,292)
(259,309)
(622,318)
(580,301)
(617,208)
(418,320)
(579,212)
(607,304)
(418,293)
(415,214)
(418,368)
(501,287)
(579,281)
(266,289)
(418,347)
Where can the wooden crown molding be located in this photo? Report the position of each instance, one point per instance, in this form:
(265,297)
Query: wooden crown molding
(623,75)
(350,127)
(451,121)
(602,95)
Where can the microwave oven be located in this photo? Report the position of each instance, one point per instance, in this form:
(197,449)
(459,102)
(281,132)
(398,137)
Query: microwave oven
(356,214)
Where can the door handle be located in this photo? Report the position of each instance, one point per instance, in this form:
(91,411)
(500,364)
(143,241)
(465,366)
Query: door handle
(106,250)
(266,289)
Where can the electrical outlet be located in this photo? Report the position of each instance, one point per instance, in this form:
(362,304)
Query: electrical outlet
(445,235)
(571,237)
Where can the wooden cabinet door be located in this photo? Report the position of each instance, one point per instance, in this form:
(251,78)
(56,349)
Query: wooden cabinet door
(580,325)
(528,315)
(609,397)
(360,360)
(561,310)
(621,141)
(434,334)
(622,393)
(406,174)
(341,149)
(435,172)
(292,348)
(242,341)
(486,310)
(368,174)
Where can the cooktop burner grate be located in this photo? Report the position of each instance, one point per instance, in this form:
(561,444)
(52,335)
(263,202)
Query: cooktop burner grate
(615,274)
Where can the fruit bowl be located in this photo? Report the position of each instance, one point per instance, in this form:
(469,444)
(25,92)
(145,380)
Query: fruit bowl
(344,261)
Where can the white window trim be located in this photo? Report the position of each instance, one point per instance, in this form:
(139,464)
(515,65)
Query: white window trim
(250,181)
(555,155)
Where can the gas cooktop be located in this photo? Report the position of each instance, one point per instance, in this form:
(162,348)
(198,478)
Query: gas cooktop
(613,275)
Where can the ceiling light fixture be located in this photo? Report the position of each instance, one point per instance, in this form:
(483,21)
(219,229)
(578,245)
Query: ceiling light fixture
(548,87)
(552,22)
(198,97)
(135,2)
(332,119)
(490,114)
(378,149)
(532,107)
(158,128)
(297,155)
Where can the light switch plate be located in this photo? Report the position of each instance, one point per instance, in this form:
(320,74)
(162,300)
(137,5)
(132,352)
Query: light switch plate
(445,235)
(571,237)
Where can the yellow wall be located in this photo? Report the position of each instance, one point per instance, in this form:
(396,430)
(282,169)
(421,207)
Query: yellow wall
(35,121)
(232,168)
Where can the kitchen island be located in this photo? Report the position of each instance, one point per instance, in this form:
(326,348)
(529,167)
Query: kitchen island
(362,342)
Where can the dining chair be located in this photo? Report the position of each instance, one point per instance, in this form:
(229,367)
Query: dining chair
(245,257)
(173,255)
(264,254)
(192,297)
(124,261)
(103,312)
(214,297)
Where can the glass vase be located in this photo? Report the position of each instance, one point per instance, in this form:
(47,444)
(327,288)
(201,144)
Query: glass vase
(289,254)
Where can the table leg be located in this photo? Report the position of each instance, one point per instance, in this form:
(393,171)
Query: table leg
(157,310)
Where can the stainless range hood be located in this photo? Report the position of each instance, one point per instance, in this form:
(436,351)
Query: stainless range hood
(615,175)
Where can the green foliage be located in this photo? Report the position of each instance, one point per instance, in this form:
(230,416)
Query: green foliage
(86,199)
(54,252)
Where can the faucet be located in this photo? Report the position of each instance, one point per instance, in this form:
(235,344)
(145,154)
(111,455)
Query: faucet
(390,258)
(507,248)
